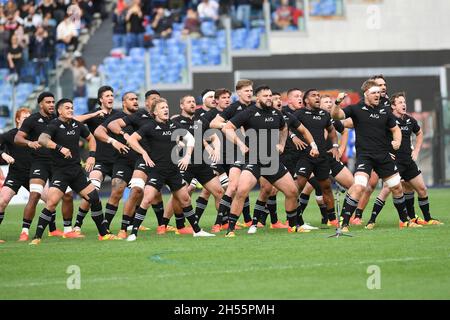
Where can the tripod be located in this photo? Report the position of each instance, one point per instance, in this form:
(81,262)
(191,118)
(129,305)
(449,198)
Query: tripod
(338,190)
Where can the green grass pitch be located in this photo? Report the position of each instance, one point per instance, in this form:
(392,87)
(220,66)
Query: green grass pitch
(272,264)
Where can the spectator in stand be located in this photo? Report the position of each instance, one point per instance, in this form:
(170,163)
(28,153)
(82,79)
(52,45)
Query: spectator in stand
(2,16)
(33,19)
(40,54)
(13,21)
(119,27)
(23,40)
(243,11)
(48,6)
(15,56)
(191,24)
(24,7)
(93,82)
(79,77)
(135,27)
(162,23)
(208,10)
(10,7)
(4,39)
(67,33)
(283,16)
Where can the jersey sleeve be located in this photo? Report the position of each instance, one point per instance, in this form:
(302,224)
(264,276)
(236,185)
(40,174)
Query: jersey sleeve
(228,113)
(282,122)
(391,123)
(145,130)
(415,126)
(338,125)
(348,111)
(329,122)
(27,125)
(51,129)
(240,119)
(293,122)
(84,133)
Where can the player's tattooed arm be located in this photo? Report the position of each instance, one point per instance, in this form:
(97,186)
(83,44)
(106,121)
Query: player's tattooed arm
(217,123)
(46,141)
(309,139)
(116,126)
(21,140)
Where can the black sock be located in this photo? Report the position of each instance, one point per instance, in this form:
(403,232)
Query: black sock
(110,212)
(126,221)
(400,205)
(139,217)
(159,212)
(272,207)
(246,210)
(179,220)
(192,218)
(26,223)
(224,208)
(2,216)
(263,216)
(409,203)
(331,214)
(232,222)
(200,206)
(303,200)
(424,205)
(52,223)
(292,217)
(260,208)
(349,207)
(299,218)
(324,213)
(377,207)
(80,217)
(99,219)
(67,223)
(165,221)
(358,213)
(44,219)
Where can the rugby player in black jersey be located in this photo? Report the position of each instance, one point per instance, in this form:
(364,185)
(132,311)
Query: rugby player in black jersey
(41,168)
(19,160)
(266,125)
(337,169)
(61,137)
(372,123)
(406,158)
(126,158)
(157,154)
(106,154)
(126,126)
(222,98)
(233,166)
(208,103)
(317,121)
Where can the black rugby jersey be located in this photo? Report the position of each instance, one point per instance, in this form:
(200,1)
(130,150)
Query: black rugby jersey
(408,125)
(33,126)
(21,155)
(372,126)
(105,151)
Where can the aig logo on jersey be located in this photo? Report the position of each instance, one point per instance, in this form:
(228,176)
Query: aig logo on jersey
(167,133)
(374,116)
(317,118)
(269,119)
(71,133)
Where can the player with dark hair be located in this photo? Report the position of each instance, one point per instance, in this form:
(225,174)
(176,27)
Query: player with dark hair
(233,166)
(41,169)
(106,154)
(157,154)
(268,123)
(317,121)
(61,137)
(372,123)
(19,160)
(126,158)
(208,103)
(405,158)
